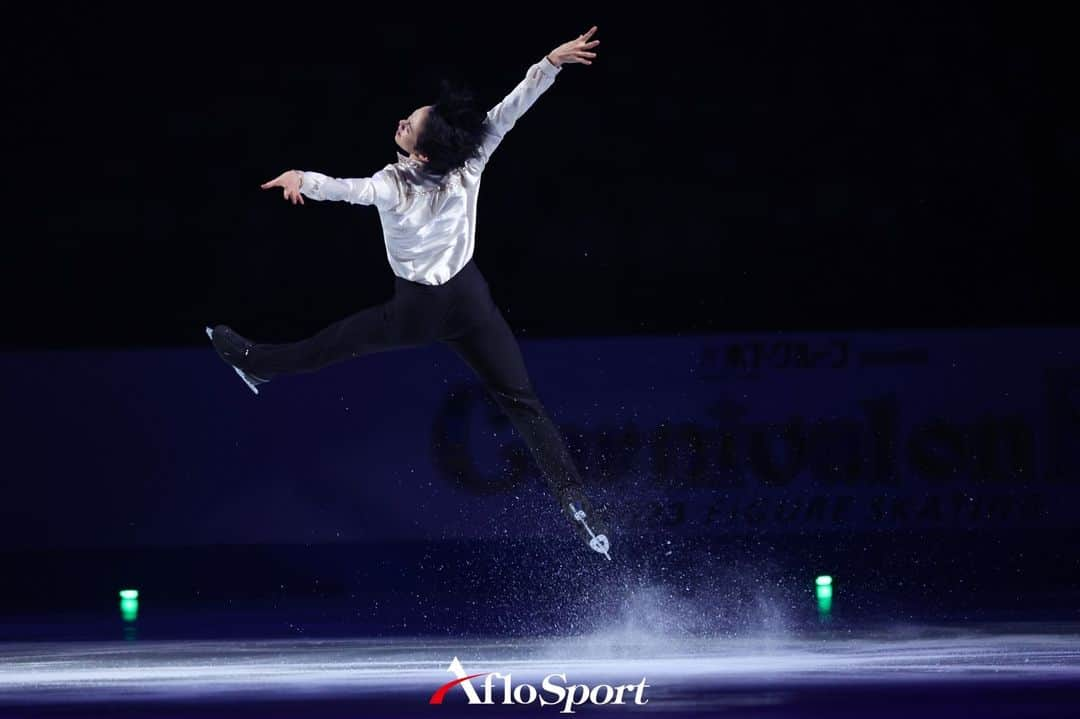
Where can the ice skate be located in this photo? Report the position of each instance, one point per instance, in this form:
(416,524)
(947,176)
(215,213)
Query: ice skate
(232,348)
(590,526)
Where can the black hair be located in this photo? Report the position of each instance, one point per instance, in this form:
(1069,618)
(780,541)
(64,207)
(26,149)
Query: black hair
(453,129)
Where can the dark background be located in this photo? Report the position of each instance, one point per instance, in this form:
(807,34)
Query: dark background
(758,166)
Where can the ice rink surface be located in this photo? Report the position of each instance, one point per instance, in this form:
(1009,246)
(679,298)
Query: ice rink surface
(985,670)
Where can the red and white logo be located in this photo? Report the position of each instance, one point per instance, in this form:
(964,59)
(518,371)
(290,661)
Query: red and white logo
(569,696)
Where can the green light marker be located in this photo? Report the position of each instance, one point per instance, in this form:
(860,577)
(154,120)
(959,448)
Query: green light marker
(824,591)
(129,604)
(129,609)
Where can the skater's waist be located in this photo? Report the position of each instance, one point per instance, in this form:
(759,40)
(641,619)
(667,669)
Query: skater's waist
(469,269)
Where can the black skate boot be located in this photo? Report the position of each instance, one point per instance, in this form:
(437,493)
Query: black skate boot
(590,525)
(233,348)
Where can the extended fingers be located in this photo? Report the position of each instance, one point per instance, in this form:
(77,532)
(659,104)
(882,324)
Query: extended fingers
(285,186)
(294,197)
(583,53)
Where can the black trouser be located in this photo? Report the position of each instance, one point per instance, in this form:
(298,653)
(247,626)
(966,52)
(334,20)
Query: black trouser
(460,313)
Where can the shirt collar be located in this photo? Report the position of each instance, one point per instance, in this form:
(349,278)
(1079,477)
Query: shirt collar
(420,167)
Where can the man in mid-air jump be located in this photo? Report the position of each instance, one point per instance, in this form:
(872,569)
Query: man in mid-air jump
(427,208)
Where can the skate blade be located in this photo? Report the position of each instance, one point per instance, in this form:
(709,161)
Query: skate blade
(598,542)
(247,380)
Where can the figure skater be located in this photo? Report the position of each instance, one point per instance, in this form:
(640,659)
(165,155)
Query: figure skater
(427,208)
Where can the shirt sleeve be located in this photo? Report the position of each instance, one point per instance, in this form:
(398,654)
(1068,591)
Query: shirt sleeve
(501,118)
(380,189)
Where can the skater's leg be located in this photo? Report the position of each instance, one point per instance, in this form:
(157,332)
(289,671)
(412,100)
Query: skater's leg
(492,351)
(403,321)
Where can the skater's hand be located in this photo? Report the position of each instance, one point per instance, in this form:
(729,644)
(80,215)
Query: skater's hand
(575,50)
(289,181)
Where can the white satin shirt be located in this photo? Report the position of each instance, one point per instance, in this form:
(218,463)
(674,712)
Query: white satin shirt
(429,222)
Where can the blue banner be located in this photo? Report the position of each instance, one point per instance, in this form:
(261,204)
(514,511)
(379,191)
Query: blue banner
(776,432)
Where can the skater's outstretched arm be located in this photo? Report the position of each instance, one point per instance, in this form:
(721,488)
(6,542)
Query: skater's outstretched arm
(538,78)
(380,189)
